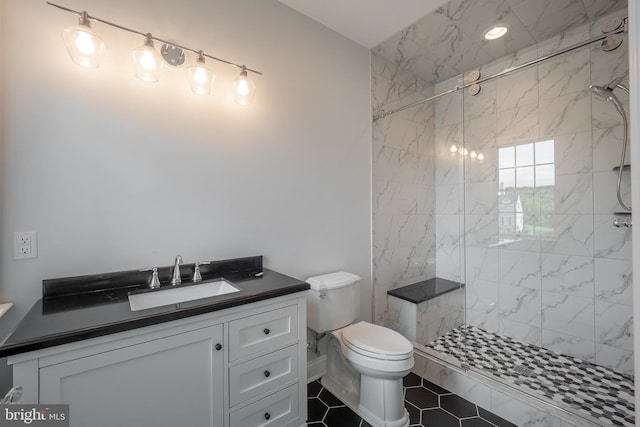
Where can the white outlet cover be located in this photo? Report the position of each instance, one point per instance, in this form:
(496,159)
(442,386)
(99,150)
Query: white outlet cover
(25,244)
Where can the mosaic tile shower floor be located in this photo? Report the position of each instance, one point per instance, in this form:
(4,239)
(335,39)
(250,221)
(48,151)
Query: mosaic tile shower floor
(594,391)
(428,406)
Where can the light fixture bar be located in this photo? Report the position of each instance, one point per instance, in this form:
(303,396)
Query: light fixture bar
(144,34)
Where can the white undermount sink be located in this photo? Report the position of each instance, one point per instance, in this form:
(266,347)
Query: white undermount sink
(157,298)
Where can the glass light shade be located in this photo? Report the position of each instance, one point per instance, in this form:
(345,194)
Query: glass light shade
(200,78)
(83,45)
(147,61)
(244,89)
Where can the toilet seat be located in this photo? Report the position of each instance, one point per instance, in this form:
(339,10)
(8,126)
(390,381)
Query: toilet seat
(376,342)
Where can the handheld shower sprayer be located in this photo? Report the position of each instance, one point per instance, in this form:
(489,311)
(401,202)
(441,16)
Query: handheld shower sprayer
(606,93)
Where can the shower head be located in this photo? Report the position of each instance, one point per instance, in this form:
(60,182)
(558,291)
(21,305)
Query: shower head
(607,94)
(602,91)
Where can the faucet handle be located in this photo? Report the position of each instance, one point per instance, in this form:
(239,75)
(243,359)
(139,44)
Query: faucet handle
(153,281)
(197,277)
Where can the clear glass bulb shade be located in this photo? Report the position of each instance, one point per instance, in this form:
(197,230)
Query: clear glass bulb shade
(147,63)
(200,79)
(83,45)
(244,90)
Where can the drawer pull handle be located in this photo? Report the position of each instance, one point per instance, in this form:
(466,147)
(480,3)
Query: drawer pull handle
(267,415)
(218,347)
(267,374)
(266,331)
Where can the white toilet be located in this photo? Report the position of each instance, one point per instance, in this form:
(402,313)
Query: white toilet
(365,362)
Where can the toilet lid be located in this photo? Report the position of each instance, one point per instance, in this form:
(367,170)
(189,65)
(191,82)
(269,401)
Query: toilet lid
(374,340)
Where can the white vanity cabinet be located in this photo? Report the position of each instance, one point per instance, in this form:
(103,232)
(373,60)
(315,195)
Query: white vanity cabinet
(240,367)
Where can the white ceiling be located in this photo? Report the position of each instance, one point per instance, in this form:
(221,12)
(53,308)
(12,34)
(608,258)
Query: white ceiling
(367,22)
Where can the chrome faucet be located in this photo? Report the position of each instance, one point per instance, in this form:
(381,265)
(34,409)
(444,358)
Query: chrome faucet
(175,276)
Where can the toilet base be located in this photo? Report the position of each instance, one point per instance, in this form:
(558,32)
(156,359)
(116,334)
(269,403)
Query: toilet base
(352,400)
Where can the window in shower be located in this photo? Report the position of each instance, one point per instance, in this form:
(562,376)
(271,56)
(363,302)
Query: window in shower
(526,190)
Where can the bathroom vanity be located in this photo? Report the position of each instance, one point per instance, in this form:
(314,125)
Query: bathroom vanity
(231,360)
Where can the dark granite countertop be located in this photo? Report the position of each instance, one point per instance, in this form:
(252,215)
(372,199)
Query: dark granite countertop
(70,318)
(425,290)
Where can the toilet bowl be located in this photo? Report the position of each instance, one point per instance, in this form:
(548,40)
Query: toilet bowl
(365,362)
(381,358)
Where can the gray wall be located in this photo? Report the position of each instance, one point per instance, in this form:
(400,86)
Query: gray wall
(117,174)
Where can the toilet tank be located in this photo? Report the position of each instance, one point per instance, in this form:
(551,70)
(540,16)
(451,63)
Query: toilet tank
(333,301)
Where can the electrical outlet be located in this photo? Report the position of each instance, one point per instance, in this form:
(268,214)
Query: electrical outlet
(25,244)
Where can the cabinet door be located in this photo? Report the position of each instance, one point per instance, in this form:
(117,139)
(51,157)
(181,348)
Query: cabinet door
(172,381)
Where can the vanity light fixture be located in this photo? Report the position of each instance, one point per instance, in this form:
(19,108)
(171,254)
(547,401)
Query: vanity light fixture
(85,47)
(495,32)
(200,77)
(148,61)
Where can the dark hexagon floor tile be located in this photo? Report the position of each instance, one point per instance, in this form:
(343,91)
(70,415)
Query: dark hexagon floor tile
(414,413)
(475,422)
(434,387)
(342,417)
(316,409)
(421,398)
(411,380)
(314,388)
(493,418)
(458,406)
(365,424)
(438,418)
(329,399)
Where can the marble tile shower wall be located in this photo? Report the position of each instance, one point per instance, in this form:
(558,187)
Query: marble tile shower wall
(568,289)
(403,183)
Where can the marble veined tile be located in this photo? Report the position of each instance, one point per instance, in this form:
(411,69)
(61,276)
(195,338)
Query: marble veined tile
(573,153)
(482,264)
(481,198)
(582,348)
(568,274)
(567,314)
(447,200)
(614,325)
(614,358)
(565,74)
(520,304)
(520,269)
(596,8)
(614,281)
(390,197)
(518,124)
(605,192)
(564,40)
(604,114)
(567,114)
(530,332)
(573,194)
(607,148)
(572,235)
(481,230)
(543,21)
(518,89)
(609,241)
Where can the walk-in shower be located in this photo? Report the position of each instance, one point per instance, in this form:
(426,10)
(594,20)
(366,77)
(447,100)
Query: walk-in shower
(494,193)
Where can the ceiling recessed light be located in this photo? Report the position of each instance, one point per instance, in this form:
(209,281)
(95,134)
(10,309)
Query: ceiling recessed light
(496,32)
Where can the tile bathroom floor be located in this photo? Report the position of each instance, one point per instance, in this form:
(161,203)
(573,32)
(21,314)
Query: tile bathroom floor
(428,405)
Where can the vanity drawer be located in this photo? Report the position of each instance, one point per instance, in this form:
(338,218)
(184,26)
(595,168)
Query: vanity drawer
(250,379)
(276,410)
(263,332)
